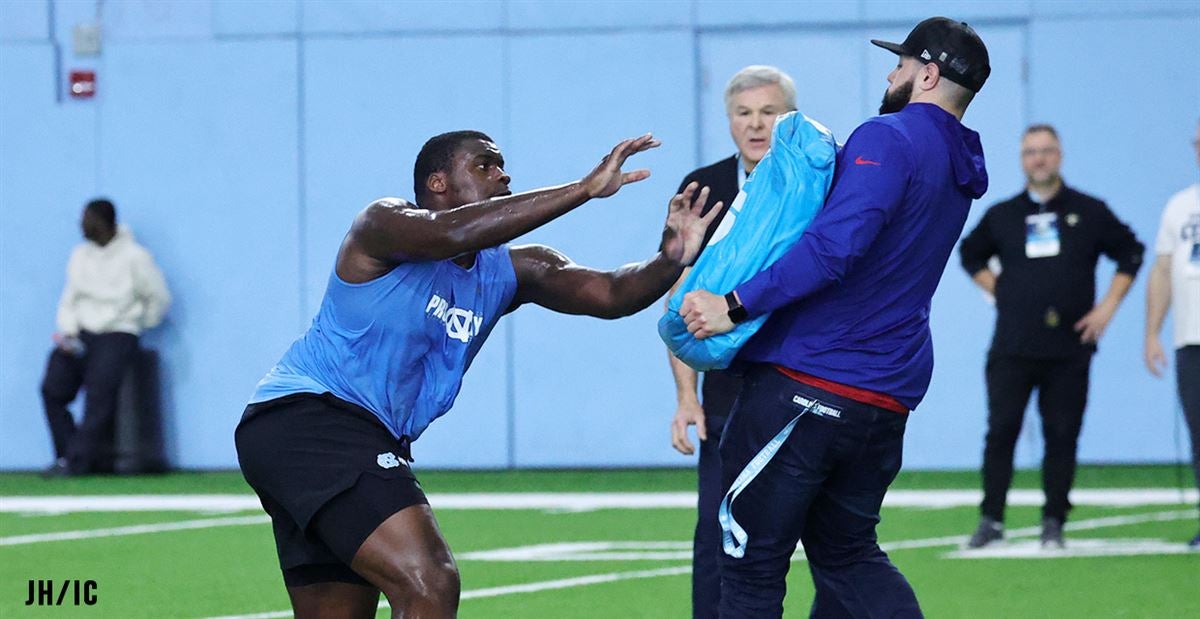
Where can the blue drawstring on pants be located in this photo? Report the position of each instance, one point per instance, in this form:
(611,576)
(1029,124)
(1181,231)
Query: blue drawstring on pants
(733,536)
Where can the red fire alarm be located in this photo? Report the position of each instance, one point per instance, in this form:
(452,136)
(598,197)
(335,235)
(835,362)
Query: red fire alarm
(83,84)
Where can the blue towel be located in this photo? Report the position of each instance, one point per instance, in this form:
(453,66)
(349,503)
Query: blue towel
(778,201)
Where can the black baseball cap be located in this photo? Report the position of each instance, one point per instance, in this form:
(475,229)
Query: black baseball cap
(953,45)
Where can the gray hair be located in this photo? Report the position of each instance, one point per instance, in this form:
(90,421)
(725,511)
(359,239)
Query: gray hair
(758,75)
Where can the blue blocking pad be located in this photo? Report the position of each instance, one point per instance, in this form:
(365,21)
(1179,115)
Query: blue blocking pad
(776,204)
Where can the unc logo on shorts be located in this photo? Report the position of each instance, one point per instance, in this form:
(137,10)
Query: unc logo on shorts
(387,460)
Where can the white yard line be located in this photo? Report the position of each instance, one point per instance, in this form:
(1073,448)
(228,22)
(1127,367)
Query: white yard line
(69,504)
(1082,525)
(569,501)
(586,551)
(576,501)
(545,585)
(137,529)
(275,614)
(582,581)
(1026,497)
(1032,549)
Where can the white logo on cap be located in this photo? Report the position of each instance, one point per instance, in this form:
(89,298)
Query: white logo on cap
(942,57)
(925,55)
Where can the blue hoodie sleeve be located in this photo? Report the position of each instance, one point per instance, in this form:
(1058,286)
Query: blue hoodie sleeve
(873,176)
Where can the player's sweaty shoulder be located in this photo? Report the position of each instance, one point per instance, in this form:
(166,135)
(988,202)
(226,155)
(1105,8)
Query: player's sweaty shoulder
(388,206)
(384,214)
(375,242)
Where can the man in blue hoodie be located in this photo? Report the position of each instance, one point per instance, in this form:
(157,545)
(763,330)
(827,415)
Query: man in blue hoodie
(816,436)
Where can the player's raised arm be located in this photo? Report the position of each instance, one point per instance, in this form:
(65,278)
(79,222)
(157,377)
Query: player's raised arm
(393,230)
(550,279)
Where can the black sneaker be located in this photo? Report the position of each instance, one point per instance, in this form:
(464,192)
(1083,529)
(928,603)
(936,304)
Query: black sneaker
(1052,534)
(989,530)
(1195,543)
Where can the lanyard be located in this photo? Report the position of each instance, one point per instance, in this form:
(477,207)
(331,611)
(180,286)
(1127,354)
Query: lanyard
(733,536)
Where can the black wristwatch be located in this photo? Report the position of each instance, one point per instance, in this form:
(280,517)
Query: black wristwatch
(737,313)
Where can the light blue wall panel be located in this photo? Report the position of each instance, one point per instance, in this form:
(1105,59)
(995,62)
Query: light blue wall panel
(962,318)
(360,16)
(552,14)
(369,106)
(590,392)
(24,20)
(722,13)
(1126,121)
(199,153)
(255,17)
(1076,9)
(965,10)
(67,15)
(828,73)
(139,20)
(46,175)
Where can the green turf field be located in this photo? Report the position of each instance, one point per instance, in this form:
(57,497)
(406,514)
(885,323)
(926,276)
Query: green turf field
(572,558)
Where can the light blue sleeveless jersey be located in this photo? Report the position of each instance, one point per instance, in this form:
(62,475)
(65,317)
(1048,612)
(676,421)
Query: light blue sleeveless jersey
(398,345)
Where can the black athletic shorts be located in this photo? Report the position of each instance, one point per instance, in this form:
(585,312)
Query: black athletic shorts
(328,473)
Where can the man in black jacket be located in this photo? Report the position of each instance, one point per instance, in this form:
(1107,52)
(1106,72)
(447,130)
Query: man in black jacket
(1047,239)
(754,97)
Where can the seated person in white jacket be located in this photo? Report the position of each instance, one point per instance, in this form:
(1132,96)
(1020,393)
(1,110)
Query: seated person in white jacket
(114,291)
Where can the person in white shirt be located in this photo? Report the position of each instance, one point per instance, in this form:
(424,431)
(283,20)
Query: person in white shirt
(1175,279)
(114,291)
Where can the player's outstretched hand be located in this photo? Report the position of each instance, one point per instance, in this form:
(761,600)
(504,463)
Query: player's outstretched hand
(683,234)
(607,178)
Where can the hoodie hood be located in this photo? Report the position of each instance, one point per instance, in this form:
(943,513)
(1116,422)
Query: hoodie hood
(966,152)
